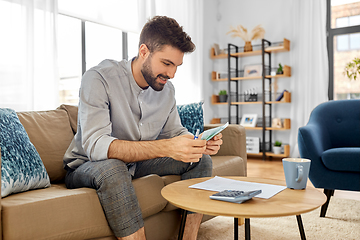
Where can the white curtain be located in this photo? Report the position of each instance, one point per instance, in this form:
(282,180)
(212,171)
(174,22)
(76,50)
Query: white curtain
(309,61)
(189,14)
(28,68)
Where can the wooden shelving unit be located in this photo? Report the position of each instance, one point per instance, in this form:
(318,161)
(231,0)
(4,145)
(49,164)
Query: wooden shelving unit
(283,47)
(287,125)
(235,52)
(271,154)
(285,99)
(287,73)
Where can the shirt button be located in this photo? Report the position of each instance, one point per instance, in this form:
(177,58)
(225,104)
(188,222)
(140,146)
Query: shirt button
(140,124)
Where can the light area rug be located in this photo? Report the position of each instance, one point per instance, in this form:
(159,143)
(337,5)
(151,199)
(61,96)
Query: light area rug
(342,221)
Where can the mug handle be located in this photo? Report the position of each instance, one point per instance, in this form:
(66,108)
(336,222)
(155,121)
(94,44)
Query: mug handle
(300,171)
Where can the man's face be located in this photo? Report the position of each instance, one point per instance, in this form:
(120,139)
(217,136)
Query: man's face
(161,66)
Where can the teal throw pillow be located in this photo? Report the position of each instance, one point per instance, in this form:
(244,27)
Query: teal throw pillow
(21,165)
(191,116)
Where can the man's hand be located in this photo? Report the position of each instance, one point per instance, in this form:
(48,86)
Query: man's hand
(184,148)
(213,145)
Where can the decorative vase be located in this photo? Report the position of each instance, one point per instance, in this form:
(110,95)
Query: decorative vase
(277,150)
(223,98)
(248,47)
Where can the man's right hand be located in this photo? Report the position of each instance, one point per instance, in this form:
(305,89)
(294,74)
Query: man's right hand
(184,148)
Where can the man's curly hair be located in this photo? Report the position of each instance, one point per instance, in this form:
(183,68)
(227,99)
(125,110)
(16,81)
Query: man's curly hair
(161,30)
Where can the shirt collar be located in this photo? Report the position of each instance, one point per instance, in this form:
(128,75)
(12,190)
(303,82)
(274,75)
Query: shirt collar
(133,83)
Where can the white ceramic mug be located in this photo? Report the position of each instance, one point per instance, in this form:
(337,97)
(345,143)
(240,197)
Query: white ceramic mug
(296,172)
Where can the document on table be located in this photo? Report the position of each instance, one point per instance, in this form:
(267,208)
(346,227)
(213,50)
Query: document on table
(219,184)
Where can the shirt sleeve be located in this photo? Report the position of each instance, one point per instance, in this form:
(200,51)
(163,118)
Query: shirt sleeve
(94,116)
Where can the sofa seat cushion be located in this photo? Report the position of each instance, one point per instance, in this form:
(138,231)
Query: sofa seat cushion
(342,159)
(54,213)
(222,166)
(148,192)
(61,213)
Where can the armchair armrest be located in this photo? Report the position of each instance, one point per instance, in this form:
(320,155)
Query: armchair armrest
(234,140)
(313,140)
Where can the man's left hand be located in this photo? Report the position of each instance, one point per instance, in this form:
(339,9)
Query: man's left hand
(213,145)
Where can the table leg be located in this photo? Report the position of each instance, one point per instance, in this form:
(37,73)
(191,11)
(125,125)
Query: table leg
(247,228)
(182,223)
(236,228)
(301,227)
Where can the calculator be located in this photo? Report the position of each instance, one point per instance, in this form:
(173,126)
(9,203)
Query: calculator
(235,195)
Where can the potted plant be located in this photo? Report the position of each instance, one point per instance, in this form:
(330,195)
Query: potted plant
(352,69)
(280,69)
(277,147)
(223,96)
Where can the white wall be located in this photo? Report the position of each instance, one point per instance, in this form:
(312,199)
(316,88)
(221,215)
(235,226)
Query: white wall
(276,18)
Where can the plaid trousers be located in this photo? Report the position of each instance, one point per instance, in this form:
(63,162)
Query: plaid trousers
(112,182)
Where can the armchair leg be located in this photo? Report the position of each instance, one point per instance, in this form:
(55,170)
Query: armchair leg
(324,207)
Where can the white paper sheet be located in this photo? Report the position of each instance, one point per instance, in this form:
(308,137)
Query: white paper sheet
(219,184)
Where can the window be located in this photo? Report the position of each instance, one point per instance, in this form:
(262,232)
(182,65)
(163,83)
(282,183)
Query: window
(343,26)
(84,44)
(348,41)
(101,43)
(89,32)
(69,59)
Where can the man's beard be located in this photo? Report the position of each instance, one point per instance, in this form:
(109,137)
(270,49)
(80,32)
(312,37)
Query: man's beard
(150,78)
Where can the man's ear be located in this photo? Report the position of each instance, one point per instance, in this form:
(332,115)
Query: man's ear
(144,52)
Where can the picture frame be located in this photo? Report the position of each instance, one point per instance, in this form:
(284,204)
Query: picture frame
(216,49)
(249,120)
(253,70)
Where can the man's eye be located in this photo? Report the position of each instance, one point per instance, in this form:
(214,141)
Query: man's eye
(166,64)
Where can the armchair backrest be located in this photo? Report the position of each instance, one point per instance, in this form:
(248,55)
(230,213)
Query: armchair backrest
(341,119)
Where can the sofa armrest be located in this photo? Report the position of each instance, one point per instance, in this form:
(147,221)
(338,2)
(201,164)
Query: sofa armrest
(234,141)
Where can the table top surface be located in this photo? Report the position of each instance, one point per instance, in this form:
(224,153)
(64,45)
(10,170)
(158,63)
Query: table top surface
(286,203)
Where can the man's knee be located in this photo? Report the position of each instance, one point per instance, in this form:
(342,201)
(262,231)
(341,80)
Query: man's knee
(112,171)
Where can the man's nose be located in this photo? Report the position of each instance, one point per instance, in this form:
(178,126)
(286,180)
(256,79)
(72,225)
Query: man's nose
(171,72)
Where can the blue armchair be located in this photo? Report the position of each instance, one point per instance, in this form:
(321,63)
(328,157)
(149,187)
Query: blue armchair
(331,140)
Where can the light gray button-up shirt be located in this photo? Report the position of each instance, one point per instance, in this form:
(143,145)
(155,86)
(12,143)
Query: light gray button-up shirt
(112,106)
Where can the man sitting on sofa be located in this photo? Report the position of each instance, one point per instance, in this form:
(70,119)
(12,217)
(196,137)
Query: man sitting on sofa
(127,129)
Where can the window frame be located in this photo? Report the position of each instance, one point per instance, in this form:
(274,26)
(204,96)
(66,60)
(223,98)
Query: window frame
(331,32)
(83,40)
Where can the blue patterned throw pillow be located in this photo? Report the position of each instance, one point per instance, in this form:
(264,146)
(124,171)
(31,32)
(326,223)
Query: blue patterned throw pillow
(21,165)
(191,116)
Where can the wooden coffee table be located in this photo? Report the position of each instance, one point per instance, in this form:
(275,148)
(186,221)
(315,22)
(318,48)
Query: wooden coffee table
(286,203)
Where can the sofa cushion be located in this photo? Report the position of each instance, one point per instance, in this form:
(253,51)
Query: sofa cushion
(342,159)
(61,213)
(51,133)
(228,166)
(148,193)
(72,112)
(191,116)
(54,213)
(22,168)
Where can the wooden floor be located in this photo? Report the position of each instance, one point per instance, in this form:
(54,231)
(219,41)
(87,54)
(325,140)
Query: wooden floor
(273,169)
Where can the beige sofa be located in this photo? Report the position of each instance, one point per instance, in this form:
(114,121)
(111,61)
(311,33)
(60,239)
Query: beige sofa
(60,213)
